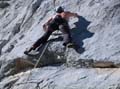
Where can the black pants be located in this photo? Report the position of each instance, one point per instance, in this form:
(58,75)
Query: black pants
(42,40)
(63,28)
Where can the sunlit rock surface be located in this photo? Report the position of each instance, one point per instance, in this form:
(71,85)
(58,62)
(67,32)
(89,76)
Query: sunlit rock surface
(95,33)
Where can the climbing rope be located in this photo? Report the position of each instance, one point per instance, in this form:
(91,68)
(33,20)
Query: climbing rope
(37,87)
(41,55)
(44,48)
(36,64)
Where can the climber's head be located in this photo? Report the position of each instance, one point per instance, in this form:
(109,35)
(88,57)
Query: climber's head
(59,9)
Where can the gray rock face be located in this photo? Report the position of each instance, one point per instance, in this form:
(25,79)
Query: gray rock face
(95,33)
(64,78)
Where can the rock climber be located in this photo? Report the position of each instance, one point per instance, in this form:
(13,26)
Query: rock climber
(58,22)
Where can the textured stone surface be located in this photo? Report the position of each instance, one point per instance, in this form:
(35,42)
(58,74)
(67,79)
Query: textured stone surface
(95,32)
(64,78)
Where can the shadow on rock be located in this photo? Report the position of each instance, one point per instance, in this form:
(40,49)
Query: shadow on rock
(80,33)
(4,5)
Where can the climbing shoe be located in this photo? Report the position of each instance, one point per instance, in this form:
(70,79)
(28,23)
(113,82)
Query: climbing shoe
(26,52)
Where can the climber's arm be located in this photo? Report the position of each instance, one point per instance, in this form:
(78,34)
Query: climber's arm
(46,24)
(49,21)
(70,14)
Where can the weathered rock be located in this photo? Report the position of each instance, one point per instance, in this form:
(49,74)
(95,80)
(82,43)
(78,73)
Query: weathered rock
(64,78)
(95,32)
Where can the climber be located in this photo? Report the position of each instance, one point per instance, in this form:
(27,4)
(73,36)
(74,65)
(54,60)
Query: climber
(58,22)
